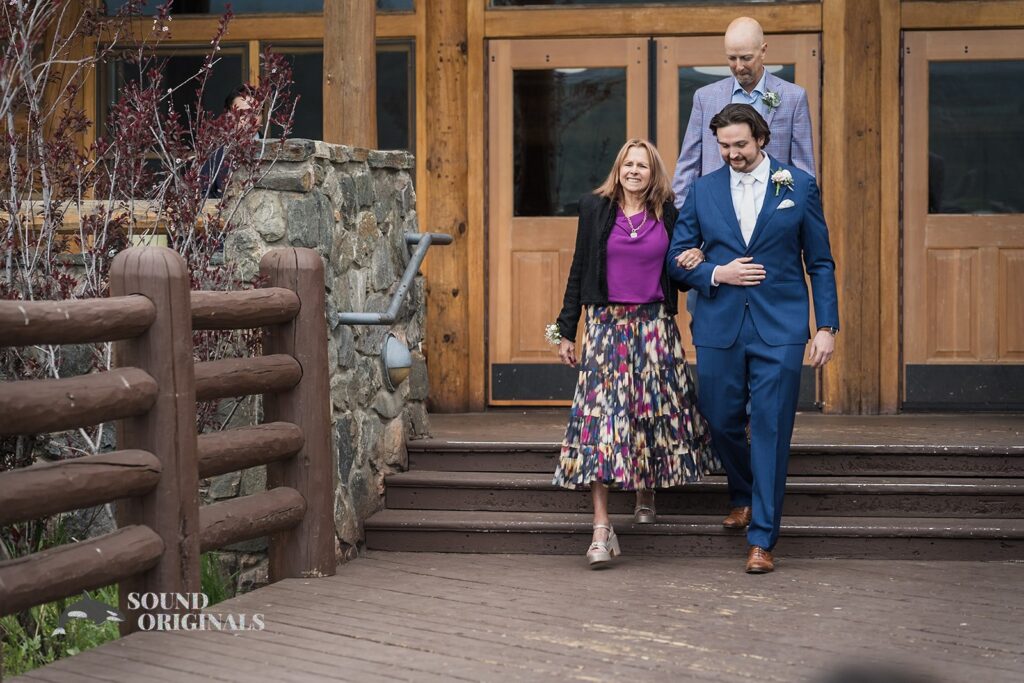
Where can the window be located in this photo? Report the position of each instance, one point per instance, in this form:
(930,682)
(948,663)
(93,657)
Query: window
(396,96)
(178,65)
(260,6)
(307,64)
(975,129)
(396,120)
(395,93)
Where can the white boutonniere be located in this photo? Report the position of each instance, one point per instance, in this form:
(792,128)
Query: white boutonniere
(782,178)
(552,335)
(771,99)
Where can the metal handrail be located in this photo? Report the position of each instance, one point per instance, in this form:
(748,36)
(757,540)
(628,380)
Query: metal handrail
(423,240)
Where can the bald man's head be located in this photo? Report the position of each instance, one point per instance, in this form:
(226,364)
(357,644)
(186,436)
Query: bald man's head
(745,49)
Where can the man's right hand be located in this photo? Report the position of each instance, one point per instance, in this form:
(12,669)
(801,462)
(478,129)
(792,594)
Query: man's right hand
(740,272)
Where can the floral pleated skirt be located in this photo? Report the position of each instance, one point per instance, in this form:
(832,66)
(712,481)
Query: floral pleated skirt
(634,422)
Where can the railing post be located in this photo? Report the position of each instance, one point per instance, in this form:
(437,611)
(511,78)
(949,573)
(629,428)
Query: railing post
(168,430)
(307,549)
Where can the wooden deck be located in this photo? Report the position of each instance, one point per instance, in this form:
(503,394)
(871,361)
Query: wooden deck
(444,617)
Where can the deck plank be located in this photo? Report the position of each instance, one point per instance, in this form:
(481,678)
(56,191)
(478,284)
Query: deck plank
(442,617)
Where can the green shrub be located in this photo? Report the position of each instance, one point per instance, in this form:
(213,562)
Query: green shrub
(213,582)
(28,642)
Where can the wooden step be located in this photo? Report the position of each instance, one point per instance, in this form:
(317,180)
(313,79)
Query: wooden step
(805,496)
(899,460)
(703,536)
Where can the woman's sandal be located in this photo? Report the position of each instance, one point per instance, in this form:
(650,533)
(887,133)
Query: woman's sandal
(600,553)
(644,513)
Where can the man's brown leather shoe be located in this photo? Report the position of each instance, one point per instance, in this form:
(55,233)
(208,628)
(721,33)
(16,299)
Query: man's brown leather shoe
(739,518)
(759,561)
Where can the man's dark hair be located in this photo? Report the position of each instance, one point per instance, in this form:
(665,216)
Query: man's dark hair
(238,91)
(734,114)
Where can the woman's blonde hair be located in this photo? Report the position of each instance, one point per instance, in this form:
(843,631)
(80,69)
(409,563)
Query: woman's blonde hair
(658,191)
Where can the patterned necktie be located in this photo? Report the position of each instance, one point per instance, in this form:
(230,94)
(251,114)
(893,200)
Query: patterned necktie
(748,212)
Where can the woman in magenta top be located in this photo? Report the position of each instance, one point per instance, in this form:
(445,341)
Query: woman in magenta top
(633,423)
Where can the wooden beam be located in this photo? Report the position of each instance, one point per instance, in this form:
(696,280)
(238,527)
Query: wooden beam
(259,514)
(851,158)
(74,321)
(647,21)
(71,568)
(275,28)
(81,482)
(308,549)
(39,406)
(252,75)
(477,179)
(350,73)
(447,342)
(962,15)
(889,233)
(168,430)
(243,309)
(227,377)
(236,449)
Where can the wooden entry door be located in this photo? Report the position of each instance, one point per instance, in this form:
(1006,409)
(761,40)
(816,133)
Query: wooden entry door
(963,207)
(558,112)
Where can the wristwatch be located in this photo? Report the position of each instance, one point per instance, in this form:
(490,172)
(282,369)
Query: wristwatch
(831,330)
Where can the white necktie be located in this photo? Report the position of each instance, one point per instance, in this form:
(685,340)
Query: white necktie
(748,213)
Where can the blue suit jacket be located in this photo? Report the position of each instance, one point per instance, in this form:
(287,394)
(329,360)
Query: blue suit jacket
(790,124)
(784,241)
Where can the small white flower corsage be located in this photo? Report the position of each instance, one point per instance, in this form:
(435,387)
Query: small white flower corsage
(782,178)
(771,99)
(552,335)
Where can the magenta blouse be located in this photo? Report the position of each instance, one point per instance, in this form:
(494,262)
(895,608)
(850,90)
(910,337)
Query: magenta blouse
(635,263)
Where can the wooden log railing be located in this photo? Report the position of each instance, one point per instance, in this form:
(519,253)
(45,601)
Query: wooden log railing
(152,393)
(75,322)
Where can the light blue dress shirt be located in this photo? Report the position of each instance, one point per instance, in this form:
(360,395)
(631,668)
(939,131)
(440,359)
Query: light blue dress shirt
(754,97)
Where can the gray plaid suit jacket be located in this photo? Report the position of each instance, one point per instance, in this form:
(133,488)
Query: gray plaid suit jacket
(790,124)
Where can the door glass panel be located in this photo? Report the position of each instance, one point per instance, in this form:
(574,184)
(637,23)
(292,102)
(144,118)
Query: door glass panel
(975,134)
(228,72)
(693,77)
(308,86)
(396,96)
(568,125)
(255,6)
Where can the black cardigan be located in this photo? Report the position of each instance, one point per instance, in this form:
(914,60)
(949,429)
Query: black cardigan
(588,277)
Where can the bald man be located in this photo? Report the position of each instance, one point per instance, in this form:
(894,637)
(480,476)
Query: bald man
(782,104)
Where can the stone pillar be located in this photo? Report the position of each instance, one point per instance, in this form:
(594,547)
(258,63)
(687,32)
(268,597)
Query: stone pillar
(354,207)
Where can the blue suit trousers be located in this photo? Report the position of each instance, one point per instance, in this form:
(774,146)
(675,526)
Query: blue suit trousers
(770,377)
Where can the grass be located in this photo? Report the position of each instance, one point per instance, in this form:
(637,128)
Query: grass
(215,584)
(26,639)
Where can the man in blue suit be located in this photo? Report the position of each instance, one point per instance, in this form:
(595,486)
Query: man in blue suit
(781,103)
(761,225)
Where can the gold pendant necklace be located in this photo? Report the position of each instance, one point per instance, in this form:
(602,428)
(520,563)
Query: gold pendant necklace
(632,230)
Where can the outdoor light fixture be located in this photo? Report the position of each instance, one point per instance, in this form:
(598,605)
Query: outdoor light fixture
(397,361)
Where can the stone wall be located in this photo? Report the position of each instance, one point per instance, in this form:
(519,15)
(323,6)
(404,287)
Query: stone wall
(354,207)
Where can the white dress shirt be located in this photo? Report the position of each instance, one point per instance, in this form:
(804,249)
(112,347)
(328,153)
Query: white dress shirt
(761,175)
